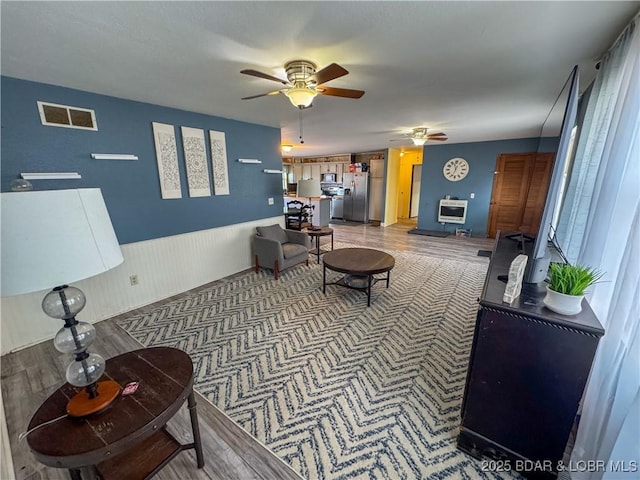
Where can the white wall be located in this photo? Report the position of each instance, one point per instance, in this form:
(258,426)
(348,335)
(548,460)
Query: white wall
(165,267)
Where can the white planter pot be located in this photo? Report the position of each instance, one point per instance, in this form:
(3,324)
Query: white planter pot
(563,304)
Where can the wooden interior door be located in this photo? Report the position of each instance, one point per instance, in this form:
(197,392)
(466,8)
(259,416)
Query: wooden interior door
(538,187)
(520,186)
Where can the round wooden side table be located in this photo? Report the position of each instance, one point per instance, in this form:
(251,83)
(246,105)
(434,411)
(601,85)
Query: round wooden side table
(320,232)
(128,439)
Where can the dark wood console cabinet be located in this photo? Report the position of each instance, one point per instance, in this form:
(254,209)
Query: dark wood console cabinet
(527,372)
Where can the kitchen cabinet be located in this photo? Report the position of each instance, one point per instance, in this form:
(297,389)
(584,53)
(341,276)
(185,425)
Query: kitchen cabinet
(375,199)
(306,172)
(376,167)
(315,171)
(527,372)
(327,168)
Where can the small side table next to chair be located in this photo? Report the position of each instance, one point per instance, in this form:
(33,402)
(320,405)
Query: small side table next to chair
(320,232)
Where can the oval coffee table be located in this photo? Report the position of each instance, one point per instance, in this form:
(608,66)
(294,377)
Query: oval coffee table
(360,265)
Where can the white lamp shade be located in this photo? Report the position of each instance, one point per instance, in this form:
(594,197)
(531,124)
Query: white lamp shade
(309,188)
(301,96)
(55,237)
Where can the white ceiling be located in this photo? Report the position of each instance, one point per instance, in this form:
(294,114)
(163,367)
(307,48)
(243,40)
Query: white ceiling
(475,70)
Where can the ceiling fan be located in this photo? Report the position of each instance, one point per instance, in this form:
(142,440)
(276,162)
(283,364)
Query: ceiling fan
(419,136)
(304,82)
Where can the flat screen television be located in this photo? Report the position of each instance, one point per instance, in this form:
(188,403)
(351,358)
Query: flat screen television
(557,133)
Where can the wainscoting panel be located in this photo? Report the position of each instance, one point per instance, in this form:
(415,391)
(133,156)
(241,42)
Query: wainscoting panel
(6,460)
(164,267)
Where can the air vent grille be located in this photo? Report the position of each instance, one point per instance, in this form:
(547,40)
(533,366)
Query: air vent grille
(66,116)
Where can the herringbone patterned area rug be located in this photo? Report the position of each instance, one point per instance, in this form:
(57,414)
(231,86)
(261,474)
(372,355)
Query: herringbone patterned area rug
(336,389)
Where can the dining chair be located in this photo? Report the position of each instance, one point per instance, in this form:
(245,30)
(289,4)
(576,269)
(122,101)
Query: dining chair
(302,219)
(293,216)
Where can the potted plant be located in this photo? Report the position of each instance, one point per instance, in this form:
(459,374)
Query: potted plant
(567,284)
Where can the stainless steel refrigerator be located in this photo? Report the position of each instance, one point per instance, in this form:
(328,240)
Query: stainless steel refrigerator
(356,197)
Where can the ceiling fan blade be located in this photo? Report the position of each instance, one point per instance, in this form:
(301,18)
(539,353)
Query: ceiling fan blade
(438,139)
(275,92)
(340,92)
(437,134)
(255,73)
(330,72)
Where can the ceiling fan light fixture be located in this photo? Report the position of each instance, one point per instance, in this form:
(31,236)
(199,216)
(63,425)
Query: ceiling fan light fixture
(419,141)
(301,96)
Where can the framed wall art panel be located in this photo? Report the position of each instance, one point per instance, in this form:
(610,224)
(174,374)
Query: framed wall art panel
(195,157)
(219,163)
(164,138)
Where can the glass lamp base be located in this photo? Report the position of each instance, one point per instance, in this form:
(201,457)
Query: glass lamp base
(81,405)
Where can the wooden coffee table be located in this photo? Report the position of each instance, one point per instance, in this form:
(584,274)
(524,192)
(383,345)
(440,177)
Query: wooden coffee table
(128,439)
(360,265)
(320,232)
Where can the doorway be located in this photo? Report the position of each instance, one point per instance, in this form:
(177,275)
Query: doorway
(409,160)
(415,191)
(520,185)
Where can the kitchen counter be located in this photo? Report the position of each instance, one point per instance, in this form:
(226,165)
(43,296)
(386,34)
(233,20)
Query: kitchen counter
(288,198)
(321,211)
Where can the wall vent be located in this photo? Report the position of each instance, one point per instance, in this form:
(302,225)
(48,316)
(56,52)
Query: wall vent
(66,116)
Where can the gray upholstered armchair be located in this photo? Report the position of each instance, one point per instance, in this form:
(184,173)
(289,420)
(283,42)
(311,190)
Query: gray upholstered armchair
(276,248)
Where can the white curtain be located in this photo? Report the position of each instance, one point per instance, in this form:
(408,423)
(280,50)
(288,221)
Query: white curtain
(599,227)
(595,138)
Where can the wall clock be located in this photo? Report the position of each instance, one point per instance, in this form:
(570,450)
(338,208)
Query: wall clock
(455,169)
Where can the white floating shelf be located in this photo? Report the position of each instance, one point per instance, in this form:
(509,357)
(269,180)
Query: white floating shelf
(249,160)
(268,170)
(113,156)
(50,175)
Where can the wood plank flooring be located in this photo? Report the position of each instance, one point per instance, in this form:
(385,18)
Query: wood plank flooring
(29,376)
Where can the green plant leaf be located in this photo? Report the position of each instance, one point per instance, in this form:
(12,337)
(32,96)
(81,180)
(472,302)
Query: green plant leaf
(572,279)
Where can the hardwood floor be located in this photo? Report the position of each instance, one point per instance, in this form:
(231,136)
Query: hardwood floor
(29,376)
(395,237)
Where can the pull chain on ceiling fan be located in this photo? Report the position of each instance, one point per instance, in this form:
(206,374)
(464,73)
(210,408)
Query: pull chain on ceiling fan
(304,83)
(300,119)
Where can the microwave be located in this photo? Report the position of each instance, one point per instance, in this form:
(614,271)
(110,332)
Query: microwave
(328,177)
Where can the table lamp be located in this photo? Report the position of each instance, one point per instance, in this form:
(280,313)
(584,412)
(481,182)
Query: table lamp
(309,188)
(52,238)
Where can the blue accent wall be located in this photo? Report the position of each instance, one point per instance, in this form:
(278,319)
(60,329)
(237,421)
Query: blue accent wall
(131,189)
(481,157)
